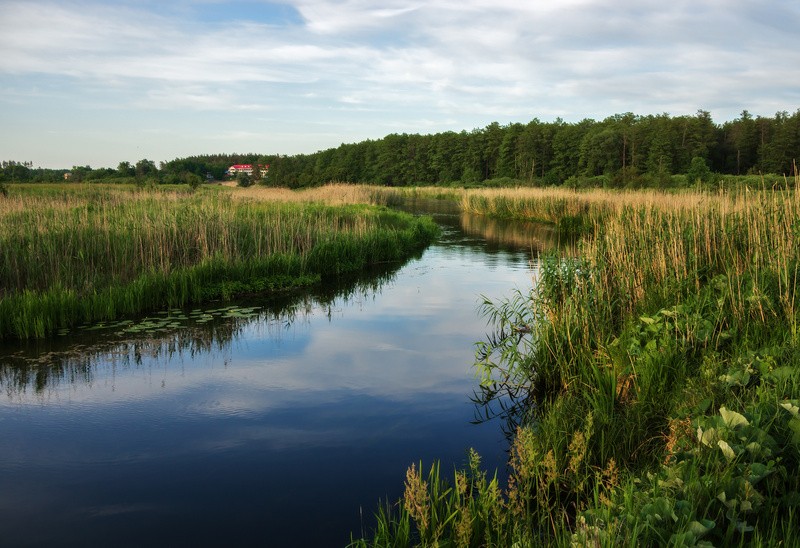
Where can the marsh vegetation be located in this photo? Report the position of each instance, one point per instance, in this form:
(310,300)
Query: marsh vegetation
(75,254)
(651,382)
(302,410)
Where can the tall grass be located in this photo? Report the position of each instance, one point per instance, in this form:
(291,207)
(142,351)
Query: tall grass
(80,254)
(656,375)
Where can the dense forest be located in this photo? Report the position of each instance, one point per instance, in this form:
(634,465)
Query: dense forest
(624,150)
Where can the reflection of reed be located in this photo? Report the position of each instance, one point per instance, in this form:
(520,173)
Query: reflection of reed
(44,368)
(427,205)
(44,365)
(518,234)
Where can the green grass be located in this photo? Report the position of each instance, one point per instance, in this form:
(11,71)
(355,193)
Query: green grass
(72,254)
(655,377)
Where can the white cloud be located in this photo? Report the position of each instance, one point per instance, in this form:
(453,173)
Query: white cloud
(370,64)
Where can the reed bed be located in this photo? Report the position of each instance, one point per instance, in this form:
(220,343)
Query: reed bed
(652,382)
(331,194)
(86,254)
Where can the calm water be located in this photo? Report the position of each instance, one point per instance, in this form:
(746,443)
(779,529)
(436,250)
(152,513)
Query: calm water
(279,426)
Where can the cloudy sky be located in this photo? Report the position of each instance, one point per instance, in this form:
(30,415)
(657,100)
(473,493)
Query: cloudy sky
(99,82)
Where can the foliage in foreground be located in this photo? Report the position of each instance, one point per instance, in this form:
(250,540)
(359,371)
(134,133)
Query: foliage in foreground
(655,385)
(71,255)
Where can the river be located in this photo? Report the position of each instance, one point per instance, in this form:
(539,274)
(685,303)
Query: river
(280,422)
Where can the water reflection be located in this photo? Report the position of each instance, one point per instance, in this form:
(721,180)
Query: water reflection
(506,234)
(487,232)
(504,405)
(40,365)
(248,429)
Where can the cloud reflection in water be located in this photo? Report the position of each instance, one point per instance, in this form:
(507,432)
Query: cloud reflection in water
(306,412)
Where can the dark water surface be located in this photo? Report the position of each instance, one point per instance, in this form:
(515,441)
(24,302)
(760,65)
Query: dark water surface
(279,426)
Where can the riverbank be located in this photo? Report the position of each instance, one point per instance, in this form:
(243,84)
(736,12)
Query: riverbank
(653,381)
(78,254)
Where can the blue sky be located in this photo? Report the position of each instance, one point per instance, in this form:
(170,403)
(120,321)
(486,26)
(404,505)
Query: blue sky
(100,82)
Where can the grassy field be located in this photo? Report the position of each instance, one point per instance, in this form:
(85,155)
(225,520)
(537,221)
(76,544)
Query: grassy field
(653,381)
(75,254)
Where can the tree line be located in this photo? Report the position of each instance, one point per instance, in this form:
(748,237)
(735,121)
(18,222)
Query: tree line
(624,150)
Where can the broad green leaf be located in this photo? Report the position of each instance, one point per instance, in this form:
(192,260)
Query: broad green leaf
(755,449)
(782,373)
(758,471)
(699,529)
(736,378)
(791,408)
(729,503)
(703,406)
(726,450)
(794,426)
(732,418)
(707,437)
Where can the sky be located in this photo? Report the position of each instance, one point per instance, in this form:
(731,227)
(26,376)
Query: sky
(90,82)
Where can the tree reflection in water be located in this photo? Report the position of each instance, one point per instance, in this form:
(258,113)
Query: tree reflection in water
(41,366)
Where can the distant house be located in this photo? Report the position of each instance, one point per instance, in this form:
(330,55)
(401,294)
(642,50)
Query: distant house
(247,169)
(236,169)
(67,176)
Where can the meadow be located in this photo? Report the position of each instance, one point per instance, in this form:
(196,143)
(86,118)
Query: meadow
(650,381)
(77,254)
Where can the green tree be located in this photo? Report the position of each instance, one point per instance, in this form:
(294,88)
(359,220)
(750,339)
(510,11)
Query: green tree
(601,151)
(697,137)
(125,169)
(741,144)
(276,171)
(17,172)
(567,140)
(243,179)
(473,168)
(659,149)
(146,168)
(535,151)
(417,159)
(256,175)
(393,160)
(447,156)
(193,180)
(698,171)
(80,173)
(492,139)
(779,143)
(509,162)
